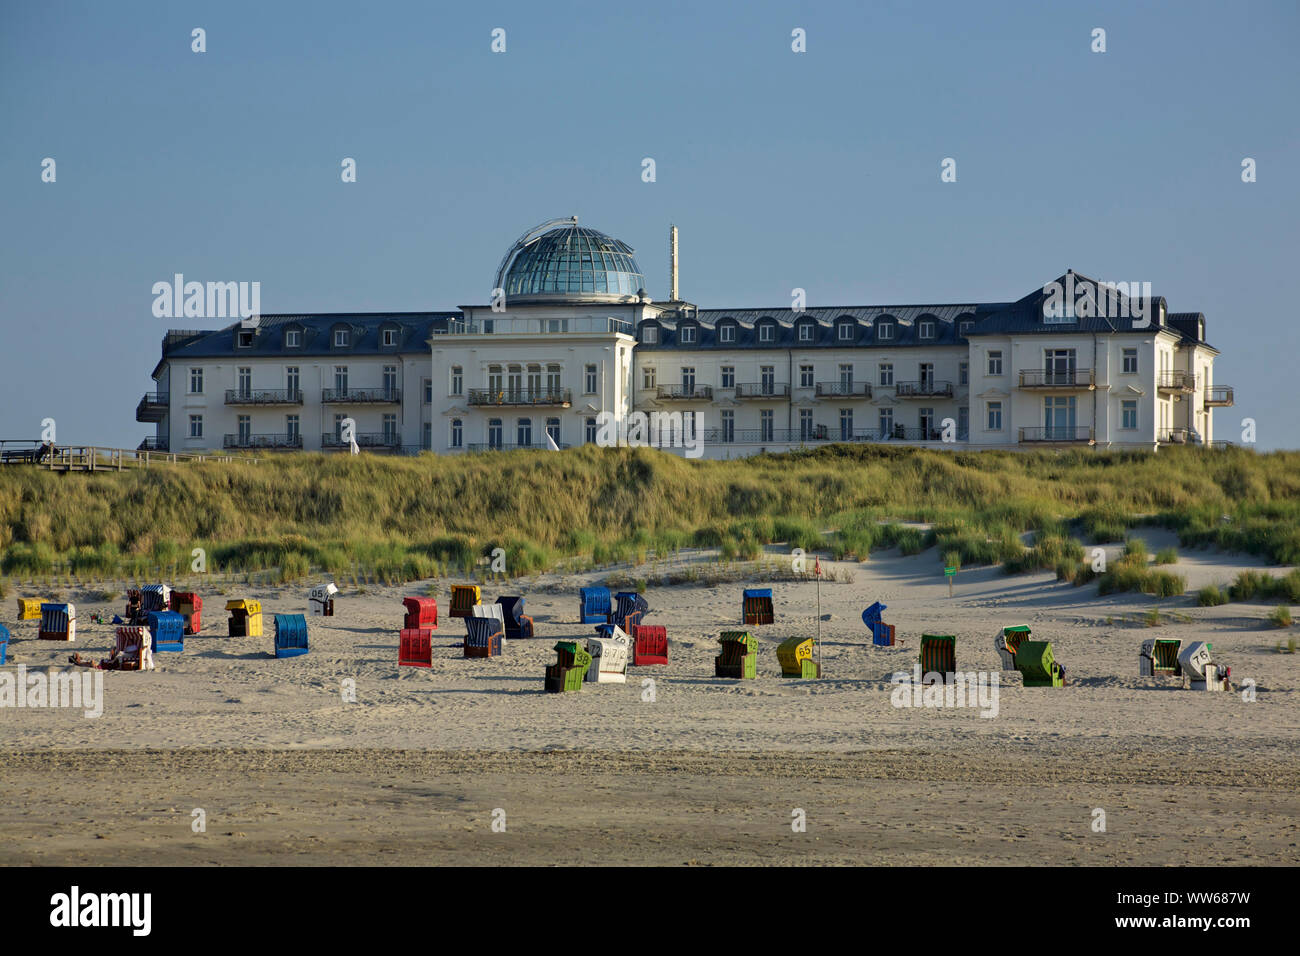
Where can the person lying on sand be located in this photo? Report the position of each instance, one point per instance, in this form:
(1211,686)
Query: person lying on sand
(117,662)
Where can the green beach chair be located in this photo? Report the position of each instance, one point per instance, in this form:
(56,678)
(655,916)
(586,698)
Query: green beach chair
(1037,666)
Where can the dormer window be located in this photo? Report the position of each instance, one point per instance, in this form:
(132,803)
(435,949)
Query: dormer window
(687,334)
(245,338)
(925,328)
(649,334)
(805,332)
(388,338)
(1058,311)
(293,339)
(767,332)
(966,326)
(884,330)
(846,331)
(726,332)
(341,338)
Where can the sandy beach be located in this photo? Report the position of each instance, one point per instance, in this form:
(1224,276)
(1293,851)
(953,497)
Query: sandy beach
(692,769)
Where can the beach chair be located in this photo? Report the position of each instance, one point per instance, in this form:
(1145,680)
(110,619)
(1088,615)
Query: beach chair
(463,598)
(133,649)
(415,647)
(421,612)
(519,626)
(1037,666)
(1200,669)
(629,609)
(796,658)
(4,643)
(245,618)
(1007,642)
(882,634)
(757,607)
(1159,658)
(320,600)
(739,657)
(649,645)
(154,597)
(593,605)
(168,630)
(290,635)
(569,669)
(58,622)
(189,606)
(939,655)
(29,609)
(484,635)
(608,650)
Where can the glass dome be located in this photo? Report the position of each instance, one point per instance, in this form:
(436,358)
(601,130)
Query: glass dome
(572,260)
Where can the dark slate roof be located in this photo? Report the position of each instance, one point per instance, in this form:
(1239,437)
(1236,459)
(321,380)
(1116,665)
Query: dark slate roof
(1025,317)
(414,330)
(825,321)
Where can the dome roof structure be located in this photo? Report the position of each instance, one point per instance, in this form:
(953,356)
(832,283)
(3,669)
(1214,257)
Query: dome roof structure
(569,262)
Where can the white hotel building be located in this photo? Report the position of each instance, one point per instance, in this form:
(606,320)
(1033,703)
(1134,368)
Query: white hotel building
(573,334)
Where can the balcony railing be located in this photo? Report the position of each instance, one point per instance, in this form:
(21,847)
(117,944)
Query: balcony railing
(1175,436)
(1057,378)
(364,440)
(762,390)
(1177,380)
(521,396)
(1218,396)
(288,440)
(152,444)
(512,446)
(152,408)
(685,392)
(926,388)
(361,396)
(821,433)
(844,389)
(1057,434)
(264,396)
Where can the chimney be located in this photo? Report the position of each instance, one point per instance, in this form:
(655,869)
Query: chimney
(672,263)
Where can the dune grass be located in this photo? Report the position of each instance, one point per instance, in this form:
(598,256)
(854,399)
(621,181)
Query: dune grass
(371,519)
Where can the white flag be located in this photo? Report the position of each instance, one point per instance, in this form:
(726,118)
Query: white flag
(550,443)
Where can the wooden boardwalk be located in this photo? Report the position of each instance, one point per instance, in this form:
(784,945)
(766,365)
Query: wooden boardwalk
(65,458)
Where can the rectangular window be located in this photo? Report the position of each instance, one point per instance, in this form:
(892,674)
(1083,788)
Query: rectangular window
(390,338)
(196,381)
(196,426)
(245,381)
(728,376)
(805,332)
(1129,414)
(995,416)
(1059,417)
(846,379)
(846,331)
(925,418)
(728,426)
(925,328)
(292,339)
(727,333)
(886,422)
(767,376)
(426,436)
(338,426)
(291,428)
(805,376)
(340,338)
(494,433)
(885,331)
(767,332)
(553,379)
(553,429)
(649,336)
(995,363)
(524,432)
(589,431)
(648,376)
(1130,361)
(963,373)
(846,424)
(886,373)
(245,339)
(428,391)
(688,335)
(591,379)
(963,423)
(805,424)
(341,378)
(244,425)
(292,381)
(765,425)
(457,380)
(390,381)
(688,380)
(927,376)
(457,430)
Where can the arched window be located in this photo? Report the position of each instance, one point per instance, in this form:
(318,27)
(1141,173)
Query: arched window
(524,432)
(494,433)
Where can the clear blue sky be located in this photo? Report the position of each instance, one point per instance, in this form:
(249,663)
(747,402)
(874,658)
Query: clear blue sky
(818,170)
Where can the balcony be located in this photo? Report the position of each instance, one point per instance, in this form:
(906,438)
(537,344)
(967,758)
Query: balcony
(288,440)
(1176,436)
(926,388)
(364,440)
(152,444)
(1176,381)
(361,396)
(767,390)
(152,408)
(685,393)
(264,396)
(512,446)
(1060,379)
(843,390)
(1218,396)
(536,397)
(821,433)
(1058,435)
